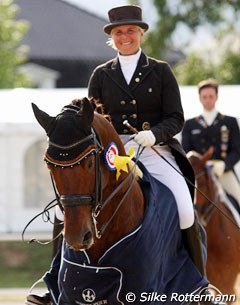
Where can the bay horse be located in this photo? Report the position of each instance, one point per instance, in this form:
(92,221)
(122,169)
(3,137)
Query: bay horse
(223,237)
(122,239)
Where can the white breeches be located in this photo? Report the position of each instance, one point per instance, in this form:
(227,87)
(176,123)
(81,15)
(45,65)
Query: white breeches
(231,185)
(164,172)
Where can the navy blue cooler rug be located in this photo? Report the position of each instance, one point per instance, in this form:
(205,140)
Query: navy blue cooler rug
(148,266)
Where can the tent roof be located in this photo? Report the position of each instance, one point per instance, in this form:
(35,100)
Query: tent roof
(60,30)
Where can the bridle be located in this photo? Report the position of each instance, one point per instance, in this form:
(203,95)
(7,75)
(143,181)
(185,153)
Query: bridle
(81,199)
(95,199)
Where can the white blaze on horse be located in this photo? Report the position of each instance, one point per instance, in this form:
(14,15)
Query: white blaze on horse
(120,235)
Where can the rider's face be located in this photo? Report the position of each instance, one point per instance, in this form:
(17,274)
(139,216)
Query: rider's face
(208,98)
(127,38)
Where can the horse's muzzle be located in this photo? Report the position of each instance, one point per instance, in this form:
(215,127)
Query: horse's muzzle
(80,242)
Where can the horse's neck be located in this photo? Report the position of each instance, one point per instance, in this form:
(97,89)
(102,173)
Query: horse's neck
(130,213)
(127,218)
(217,221)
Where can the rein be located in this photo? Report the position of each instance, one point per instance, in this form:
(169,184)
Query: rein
(44,213)
(134,130)
(208,210)
(100,232)
(198,190)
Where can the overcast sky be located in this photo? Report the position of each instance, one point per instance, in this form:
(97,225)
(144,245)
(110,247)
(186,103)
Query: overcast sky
(101,7)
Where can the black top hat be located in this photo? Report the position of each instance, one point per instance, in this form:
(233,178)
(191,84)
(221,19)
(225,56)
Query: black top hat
(126,14)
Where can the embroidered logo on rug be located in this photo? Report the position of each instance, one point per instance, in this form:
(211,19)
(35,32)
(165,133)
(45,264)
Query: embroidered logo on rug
(88,295)
(109,155)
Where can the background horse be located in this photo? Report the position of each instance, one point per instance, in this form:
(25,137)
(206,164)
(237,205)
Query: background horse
(119,235)
(223,237)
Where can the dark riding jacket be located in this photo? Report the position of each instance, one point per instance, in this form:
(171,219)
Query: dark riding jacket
(223,134)
(151,101)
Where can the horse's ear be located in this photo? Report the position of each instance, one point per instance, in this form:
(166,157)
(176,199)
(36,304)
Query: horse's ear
(87,111)
(44,119)
(208,154)
(210,151)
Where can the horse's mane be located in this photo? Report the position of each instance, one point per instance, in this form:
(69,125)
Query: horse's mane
(97,106)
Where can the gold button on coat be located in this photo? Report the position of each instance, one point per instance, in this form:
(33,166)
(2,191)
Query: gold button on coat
(146,126)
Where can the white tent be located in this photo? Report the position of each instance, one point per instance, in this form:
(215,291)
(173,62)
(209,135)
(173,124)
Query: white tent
(16,103)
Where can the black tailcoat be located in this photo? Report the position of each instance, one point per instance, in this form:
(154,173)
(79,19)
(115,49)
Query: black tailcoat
(151,100)
(223,134)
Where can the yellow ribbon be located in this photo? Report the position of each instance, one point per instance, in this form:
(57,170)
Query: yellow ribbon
(121,162)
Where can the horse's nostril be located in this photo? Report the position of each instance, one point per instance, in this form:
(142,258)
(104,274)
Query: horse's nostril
(87,238)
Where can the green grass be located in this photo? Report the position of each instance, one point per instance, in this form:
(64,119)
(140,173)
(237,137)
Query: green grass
(21,264)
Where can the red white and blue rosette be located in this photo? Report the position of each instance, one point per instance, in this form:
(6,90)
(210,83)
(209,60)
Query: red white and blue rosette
(109,155)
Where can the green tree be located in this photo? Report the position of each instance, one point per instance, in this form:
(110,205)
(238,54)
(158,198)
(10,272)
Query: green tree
(222,62)
(190,15)
(194,69)
(221,17)
(228,70)
(12,54)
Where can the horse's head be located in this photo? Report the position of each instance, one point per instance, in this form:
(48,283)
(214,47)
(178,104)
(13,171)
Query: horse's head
(203,177)
(73,158)
(199,161)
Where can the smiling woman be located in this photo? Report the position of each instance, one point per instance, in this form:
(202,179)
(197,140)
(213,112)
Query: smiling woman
(126,39)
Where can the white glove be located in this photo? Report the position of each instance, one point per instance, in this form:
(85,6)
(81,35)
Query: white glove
(218,167)
(145,138)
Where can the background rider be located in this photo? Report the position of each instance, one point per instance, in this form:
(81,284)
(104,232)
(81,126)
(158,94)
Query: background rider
(212,128)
